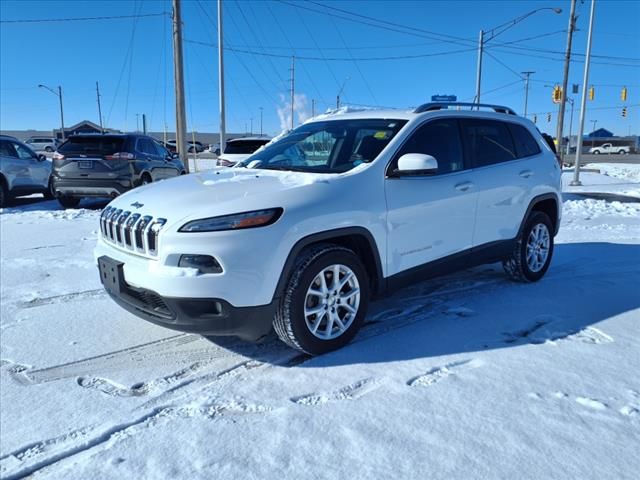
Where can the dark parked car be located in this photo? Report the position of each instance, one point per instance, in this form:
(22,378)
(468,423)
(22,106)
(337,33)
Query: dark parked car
(108,165)
(196,146)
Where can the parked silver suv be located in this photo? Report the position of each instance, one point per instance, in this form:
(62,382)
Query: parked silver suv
(22,171)
(42,144)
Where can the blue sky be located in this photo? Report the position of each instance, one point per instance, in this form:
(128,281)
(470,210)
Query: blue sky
(335,49)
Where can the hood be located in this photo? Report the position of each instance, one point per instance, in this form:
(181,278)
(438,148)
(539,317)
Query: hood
(220,191)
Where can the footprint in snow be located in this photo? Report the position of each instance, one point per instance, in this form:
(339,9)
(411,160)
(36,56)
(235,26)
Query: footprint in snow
(437,374)
(592,403)
(629,411)
(113,389)
(350,392)
(460,311)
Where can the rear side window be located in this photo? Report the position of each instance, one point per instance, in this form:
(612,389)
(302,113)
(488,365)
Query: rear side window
(488,141)
(243,146)
(145,145)
(7,150)
(441,140)
(526,145)
(102,145)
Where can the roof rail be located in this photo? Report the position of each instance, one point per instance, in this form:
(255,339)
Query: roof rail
(444,105)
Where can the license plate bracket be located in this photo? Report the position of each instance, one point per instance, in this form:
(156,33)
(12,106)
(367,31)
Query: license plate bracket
(111,274)
(85,164)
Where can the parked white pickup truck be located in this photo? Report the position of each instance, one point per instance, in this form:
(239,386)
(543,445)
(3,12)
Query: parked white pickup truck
(608,148)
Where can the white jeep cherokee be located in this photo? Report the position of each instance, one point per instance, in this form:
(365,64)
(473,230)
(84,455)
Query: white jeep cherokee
(341,209)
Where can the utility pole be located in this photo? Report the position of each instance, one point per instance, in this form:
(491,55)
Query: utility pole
(479,69)
(260,121)
(313,107)
(59,95)
(565,78)
(583,102)
(293,76)
(526,90)
(251,128)
(593,138)
(572,102)
(178,74)
(137,122)
(344,84)
(144,123)
(223,142)
(99,108)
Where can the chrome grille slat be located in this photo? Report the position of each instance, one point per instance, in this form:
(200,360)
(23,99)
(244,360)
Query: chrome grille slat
(131,231)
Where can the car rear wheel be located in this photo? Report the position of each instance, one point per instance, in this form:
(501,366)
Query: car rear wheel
(622,152)
(596,152)
(4,194)
(533,250)
(69,202)
(325,300)
(49,193)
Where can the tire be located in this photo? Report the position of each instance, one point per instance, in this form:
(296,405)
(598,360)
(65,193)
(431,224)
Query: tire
(622,152)
(49,193)
(4,194)
(596,152)
(69,202)
(146,179)
(48,149)
(294,326)
(527,262)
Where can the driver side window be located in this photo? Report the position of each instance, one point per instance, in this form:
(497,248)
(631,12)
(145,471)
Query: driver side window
(23,152)
(440,139)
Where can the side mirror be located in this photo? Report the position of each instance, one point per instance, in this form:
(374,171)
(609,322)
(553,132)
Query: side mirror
(41,157)
(416,164)
(174,156)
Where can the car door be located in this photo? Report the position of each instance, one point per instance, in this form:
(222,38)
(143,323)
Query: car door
(170,166)
(37,171)
(503,180)
(430,216)
(147,153)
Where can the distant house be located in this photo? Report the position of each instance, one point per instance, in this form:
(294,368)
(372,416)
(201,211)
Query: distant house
(83,127)
(600,133)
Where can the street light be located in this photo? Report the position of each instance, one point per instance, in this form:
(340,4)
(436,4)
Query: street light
(59,95)
(493,33)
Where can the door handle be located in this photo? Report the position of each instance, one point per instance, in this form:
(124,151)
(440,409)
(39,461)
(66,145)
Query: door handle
(464,186)
(526,173)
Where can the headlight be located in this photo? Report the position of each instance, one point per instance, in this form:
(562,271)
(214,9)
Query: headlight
(237,221)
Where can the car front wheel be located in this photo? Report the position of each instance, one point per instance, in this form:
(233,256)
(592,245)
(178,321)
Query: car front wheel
(69,202)
(533,250)
(325,300)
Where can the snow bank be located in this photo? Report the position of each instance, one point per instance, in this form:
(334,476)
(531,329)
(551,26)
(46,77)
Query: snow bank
(624,171)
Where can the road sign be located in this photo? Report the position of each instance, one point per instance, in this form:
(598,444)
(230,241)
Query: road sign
(443,98)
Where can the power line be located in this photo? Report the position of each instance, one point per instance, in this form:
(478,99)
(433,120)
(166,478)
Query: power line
(335,59)
(517,74)
(82,19)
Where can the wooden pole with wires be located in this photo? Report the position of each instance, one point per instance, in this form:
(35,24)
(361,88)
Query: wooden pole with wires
(178,73)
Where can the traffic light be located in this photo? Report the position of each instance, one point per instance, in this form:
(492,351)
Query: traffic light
(556,96)
(548,117)
(624,111)
(623,95)
(592,93)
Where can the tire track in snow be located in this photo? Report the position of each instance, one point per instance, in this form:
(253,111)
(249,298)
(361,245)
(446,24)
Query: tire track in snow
(82,442)
(67,297)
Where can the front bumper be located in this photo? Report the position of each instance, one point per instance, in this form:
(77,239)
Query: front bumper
(86,187)
(205,316)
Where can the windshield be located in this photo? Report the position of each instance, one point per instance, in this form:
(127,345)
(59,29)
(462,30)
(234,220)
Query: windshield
(99,144)
(328,147)
(243,146)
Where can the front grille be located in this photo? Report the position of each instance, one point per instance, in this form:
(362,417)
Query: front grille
(131,231)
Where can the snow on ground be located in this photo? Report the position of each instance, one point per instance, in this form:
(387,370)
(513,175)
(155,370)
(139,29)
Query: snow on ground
(606,180)
(464,376)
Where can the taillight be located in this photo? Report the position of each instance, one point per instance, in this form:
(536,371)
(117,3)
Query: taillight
(120,156)
(223,162)
(58,156)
